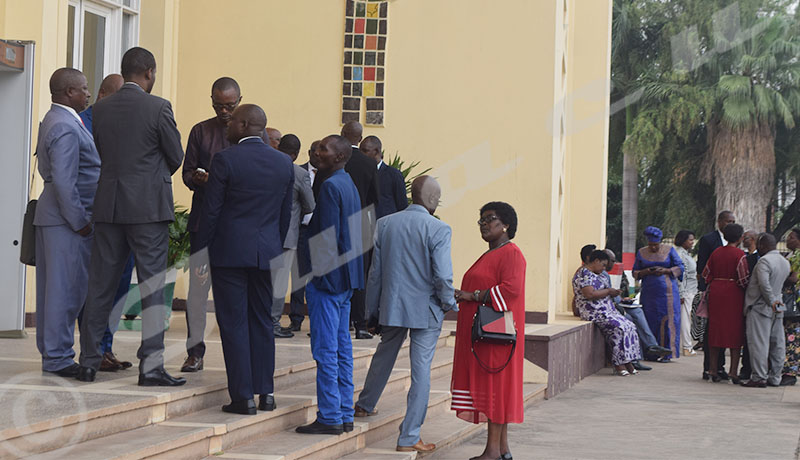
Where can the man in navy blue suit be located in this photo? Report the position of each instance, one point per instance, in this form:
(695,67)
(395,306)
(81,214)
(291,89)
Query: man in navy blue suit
(248,207)
(338,269)
(391,183)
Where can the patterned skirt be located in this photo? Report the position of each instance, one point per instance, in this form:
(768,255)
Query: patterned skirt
(699,324)
(619,332)
(792,329)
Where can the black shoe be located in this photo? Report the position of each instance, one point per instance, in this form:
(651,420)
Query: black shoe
(160,378)
(69,371)
(192,364)
(788,380)
(735,379)
(663,359)
(640,367)
(347,427)
(86,374)
(240,407)
(755,384)
(295,326)
(266,402)
(723,375)
(705,375)
(281,333)
(658,351)
(320,428)
(698,346)
(715,378)
(506,456)
(745,375)
(362,334)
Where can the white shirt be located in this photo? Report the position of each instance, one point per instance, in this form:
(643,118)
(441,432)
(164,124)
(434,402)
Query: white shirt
(722,237)
(70,110)
(312,173)
(248,137)
(379,164)
(132,83)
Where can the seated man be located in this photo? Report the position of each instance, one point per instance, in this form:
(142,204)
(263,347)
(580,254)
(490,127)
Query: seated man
(634,313)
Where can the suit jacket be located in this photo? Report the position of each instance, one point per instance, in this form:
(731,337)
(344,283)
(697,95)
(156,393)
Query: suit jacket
(708,243)
(392,196)
(411,277)
(364,172)
(248,205)
(766,284)
(69,165)
(302,204)
(140,149)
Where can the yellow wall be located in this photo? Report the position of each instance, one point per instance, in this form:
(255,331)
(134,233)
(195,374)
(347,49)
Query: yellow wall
(473,91)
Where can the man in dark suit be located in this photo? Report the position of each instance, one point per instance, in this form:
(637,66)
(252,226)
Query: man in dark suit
(392,197)
(140,149)
(364,172)
(205,139)
(708,243)
(247,209)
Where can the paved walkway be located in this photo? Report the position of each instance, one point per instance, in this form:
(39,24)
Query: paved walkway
(666,413)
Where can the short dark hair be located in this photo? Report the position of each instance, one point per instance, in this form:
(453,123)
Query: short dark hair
(724,214)
(373,141)
(137,61)
(796,232)
(586,251)
(732,232)
(289,144)
(599,254)
(682,236)
(341,145)
(224,84)
(506,214)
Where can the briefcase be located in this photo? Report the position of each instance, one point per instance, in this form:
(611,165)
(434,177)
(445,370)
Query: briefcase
(27,247)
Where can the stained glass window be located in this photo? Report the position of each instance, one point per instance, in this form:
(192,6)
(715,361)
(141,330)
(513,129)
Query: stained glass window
(366,24)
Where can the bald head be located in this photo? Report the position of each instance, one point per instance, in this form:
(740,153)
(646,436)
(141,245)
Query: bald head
(69,87)
(110,85)
(426,192)
(247,120)
(352,131)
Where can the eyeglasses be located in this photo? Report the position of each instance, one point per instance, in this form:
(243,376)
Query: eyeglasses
(228,107)
(488,219)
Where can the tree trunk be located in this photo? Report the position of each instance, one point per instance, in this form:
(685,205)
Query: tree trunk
(744,172)
(630,192)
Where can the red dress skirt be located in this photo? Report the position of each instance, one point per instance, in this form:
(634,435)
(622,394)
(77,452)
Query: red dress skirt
(479,396)
(726,274)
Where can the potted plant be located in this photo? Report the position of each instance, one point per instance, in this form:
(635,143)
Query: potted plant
(177,259)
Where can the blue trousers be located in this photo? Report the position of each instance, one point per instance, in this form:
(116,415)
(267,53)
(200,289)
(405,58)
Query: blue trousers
(636,315)
(332,349)
(423,346)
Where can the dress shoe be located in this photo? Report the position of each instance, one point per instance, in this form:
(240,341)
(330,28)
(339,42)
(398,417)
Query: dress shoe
(192,364)
(86,374)
(241,407)
(419,447)
(754,384)
(722,375)
(640,367)
(361,412)
(266,402)
(658,351)
(362,334)
(788,380)
(663,359)
(347,427)
(281,333)
(320,428)
(294,326)
(106,365)
(160,378)
(69,371)
(506,456)
(111,357)
(735,379)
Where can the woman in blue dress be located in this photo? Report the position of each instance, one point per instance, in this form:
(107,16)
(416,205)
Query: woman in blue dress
(659,267)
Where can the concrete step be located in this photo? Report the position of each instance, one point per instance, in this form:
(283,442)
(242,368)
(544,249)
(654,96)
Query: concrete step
(129,407)
(442,428)
(210,431)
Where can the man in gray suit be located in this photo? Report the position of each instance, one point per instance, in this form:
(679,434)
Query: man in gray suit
(69,165)
(302,204)
(764,308)
(410,288)
(140,149)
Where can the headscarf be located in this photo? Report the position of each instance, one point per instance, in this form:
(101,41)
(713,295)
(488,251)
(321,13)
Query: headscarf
(653,234)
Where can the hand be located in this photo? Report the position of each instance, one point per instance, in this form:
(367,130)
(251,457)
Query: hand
(202,274)
(775,305)
(614,292)
(85,231)
(464,296)
(199,177)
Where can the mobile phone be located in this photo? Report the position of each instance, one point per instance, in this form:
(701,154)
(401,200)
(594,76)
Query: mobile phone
(201,170)
(780,307)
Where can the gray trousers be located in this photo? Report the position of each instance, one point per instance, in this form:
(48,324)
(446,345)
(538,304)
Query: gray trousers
(196,300)
(423,346)
(767,344)
(62,266)
(112,246)
(280,283)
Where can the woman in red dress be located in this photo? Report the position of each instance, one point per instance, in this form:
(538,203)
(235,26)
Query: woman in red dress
(726,275)
(498,276)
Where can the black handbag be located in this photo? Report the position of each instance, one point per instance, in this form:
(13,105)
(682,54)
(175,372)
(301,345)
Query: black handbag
(494,327)
(790,301)
(27,246)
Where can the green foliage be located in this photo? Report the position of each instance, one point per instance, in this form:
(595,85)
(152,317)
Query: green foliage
(179,248)
(407,170)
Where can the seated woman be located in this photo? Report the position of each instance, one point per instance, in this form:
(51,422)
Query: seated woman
(593,297)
